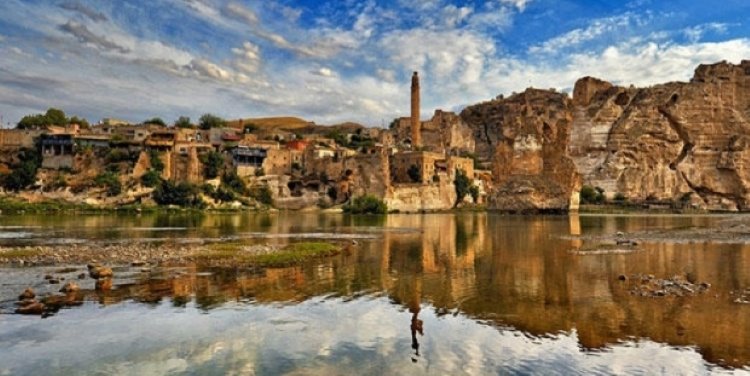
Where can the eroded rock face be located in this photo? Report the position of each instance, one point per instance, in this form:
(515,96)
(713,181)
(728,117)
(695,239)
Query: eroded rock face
(525,138)
(677,142)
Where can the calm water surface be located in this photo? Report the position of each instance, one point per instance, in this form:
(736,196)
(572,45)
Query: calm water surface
(421,294)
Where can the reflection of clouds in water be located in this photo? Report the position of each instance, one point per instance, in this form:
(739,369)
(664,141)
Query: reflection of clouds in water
(317,337)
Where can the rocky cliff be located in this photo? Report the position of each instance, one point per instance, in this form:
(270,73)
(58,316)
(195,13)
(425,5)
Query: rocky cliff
(676,142)
(525,137)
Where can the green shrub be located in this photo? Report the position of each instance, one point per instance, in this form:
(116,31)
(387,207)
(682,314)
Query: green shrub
(156,121)
(474,192)
(591,195)
(23,174)
(155,159)
(109,180)
(263,195)
(231,180)
(151,179)
(463,185)
(620,198)
(213,164)
(260,172)
(182,194)
(367,204)
(208,121)
(117,156)
(183,122)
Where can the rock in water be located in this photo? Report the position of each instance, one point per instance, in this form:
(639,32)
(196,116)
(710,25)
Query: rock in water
(70,287)
(33,308)
(27,294)
(104,284)
(98,272)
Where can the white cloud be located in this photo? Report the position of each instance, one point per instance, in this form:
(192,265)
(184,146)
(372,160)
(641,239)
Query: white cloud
(520,4)
(576,37)
(454,55)
(248,57)
(242,13)
(386,74)
(323,72)
(695,33)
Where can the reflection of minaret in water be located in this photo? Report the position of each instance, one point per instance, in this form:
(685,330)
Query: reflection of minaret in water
(416,323)
(416,327)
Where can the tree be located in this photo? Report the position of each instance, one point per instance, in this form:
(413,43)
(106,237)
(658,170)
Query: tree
(155,159)
(53,116)
(24,173)
(182,194)
(156,121)
(83,123)
(233,181)
(213,163)
(414,174)
(109,180)
(208,121)
(263,195)
(463,186)
(56,117)
(183,122)
(150,179)
(250,128)
(474,192)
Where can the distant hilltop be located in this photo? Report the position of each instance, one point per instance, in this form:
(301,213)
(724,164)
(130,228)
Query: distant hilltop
(276,122)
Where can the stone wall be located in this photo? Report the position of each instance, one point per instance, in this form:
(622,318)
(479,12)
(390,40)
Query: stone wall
(16,138)
(409,198)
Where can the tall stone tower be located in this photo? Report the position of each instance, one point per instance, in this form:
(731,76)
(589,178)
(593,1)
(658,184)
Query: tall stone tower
(416,131)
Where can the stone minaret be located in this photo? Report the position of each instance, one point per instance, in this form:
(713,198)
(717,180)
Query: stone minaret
(416,131)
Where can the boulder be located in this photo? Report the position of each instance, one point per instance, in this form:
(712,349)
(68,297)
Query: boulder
(27,294)
(98,272)
(32,308)
(70,287)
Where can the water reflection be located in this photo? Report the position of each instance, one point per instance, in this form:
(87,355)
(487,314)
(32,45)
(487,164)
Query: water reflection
(502,276)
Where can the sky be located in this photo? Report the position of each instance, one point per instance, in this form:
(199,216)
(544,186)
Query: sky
(341,60)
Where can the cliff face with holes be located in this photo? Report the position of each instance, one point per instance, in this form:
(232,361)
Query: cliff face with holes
(676,142)
(525,137)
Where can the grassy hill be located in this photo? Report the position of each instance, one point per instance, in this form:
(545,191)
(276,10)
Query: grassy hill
(273,123)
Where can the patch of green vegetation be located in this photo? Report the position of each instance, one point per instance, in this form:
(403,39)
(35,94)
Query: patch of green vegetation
(292,254)
(181,194)
(297,253)
(23,173)
(590,195)
(151,179)
(12,205)
(16,253)
(213,164)
(367,204)
(110,181)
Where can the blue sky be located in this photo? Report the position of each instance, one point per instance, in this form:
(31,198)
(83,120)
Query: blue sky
(335,61)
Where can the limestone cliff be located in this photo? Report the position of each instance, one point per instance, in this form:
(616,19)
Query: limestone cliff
(525,137)
(677,142)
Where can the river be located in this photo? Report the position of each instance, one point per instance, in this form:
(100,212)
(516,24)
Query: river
(467,293)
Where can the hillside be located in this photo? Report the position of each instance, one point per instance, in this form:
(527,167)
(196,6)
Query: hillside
(272,123)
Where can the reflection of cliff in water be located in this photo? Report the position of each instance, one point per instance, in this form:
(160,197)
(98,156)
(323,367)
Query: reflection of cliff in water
(505,270)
